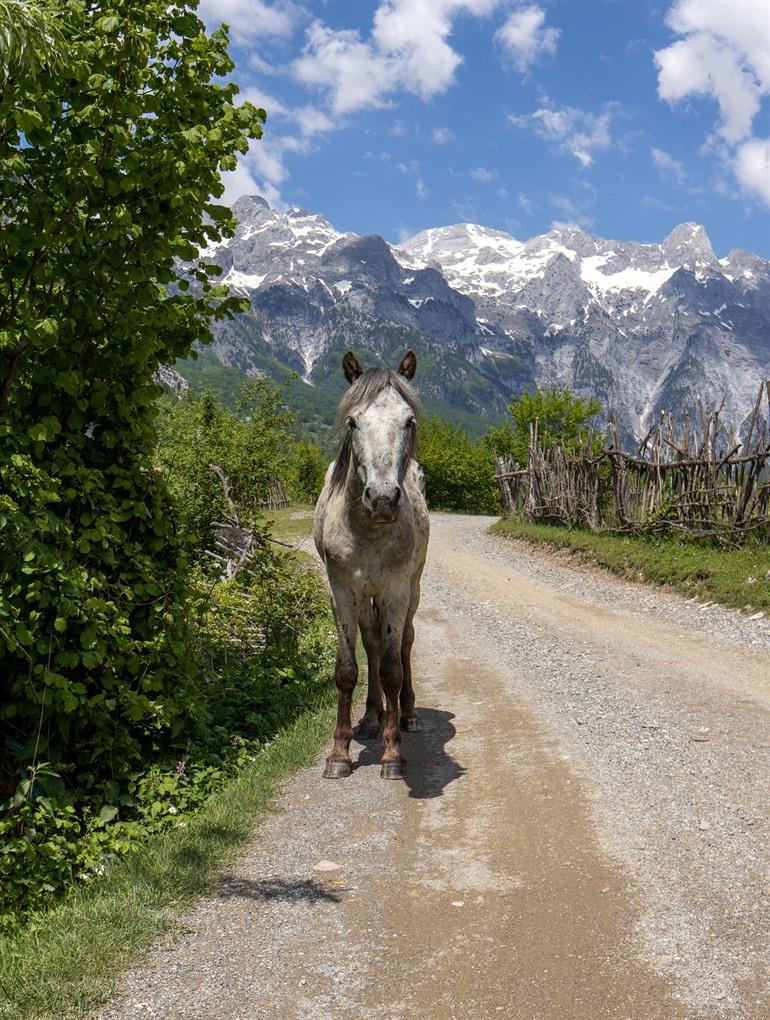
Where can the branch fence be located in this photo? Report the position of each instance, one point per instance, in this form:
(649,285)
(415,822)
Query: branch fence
(696,476)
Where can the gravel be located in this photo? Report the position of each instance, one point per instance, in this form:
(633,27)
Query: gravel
(658,708)
(686,816)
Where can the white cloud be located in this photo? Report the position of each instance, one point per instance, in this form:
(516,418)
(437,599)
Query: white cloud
(242,181)
(481,173)
(524,37)
(250,20)
(723,55)
(422,190)
(667,165)
(348,68)
(577,132)
(752,168)
(442,135)
(525,202)
(579,217)
(408,50)
(262,170)
(311,121)
(464,209)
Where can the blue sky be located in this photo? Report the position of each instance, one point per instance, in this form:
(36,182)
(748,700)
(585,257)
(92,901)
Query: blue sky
(624,117)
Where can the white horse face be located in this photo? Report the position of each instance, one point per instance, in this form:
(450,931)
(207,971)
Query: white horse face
(382,438)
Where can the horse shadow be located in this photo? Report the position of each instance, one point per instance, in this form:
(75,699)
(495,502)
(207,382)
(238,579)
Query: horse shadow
(430,768)
(307,890)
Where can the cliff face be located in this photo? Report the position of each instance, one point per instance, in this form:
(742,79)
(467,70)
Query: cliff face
(643,327)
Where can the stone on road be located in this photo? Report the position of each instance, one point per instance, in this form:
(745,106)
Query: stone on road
(583,831)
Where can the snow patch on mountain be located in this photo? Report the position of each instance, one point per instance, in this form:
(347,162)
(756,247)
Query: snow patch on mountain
(243,281)
(631,278)
(643,327)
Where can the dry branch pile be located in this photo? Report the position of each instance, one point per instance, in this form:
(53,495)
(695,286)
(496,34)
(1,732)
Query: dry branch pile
(699,477)
(235,543)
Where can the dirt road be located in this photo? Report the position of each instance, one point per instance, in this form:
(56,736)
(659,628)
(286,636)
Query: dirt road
(583,832)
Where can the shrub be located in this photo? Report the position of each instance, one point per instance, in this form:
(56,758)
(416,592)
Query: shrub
(459,474)
(561,416)
(119,145)
(251,445)
(307,471)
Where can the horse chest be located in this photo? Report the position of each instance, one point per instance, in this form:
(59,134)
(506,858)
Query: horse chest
(372,579)
(371,563)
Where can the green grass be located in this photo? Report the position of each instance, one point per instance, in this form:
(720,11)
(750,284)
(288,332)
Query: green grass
(696,568)
(64,966)
(292,523)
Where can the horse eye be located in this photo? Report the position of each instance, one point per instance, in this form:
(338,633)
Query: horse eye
(351,423)
(411,423)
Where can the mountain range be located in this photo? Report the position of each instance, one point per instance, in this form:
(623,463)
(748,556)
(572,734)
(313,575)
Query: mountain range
(643,327)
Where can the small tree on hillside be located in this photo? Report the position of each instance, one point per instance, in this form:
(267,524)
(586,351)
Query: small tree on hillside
(561,417)
(252,447)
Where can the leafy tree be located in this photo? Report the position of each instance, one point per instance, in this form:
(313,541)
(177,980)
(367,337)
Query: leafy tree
(252,447)
(29,37)
(561,416)
(459,474)
(108,161)
(307,470)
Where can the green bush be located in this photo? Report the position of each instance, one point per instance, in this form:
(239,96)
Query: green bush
(264,649)
(307,471)
(119,142)
(459,474)
(561,416)
(140,678)
(251,445)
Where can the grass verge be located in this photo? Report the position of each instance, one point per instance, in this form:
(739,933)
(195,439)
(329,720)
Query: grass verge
(735,577)
(292,523)
(64,966)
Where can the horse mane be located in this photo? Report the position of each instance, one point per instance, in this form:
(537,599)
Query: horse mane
(358,397)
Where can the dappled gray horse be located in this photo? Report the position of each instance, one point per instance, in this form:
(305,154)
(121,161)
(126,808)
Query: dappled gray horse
(371,531)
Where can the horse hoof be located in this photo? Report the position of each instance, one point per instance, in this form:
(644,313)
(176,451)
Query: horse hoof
(336,769)
(410,724)
(393,770)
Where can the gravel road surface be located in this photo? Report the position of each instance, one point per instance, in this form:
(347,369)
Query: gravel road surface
(583,832)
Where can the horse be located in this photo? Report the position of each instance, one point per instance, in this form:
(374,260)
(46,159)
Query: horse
(371,531)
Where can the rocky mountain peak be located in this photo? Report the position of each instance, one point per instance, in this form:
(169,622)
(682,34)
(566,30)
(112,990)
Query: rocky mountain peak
(688,244)
(248,204)
(576,240)
(620,320)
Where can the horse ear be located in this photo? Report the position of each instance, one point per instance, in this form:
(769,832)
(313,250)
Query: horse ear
(408,365)
(351,368)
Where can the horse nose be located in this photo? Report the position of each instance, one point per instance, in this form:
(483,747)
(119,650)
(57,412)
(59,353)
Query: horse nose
(387,499)
(383,505)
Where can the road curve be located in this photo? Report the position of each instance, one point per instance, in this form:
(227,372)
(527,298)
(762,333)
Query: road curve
(583,832)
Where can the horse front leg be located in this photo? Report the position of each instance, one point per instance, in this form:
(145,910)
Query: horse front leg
(369,726)
(392,618)
(409,721)
(338,764)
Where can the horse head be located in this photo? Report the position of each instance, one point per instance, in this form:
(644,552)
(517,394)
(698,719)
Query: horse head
(379,417)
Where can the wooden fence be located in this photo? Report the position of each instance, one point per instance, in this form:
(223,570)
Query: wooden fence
(697,477)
